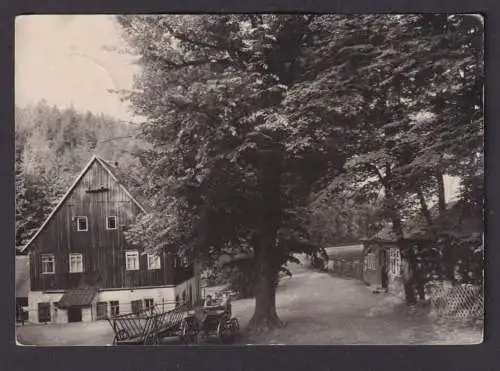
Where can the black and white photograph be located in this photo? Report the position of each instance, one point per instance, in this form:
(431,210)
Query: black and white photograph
(249,179)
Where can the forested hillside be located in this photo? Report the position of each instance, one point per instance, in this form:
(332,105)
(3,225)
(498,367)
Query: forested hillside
(52,147)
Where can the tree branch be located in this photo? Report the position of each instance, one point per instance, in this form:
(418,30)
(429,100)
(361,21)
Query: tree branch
(199,62)
(378,173)
(187,39)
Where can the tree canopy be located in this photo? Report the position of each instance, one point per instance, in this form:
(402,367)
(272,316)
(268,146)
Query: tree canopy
(251,116)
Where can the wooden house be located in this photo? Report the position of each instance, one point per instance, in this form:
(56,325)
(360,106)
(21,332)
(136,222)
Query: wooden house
(372,261)
(81,266)
(385,256)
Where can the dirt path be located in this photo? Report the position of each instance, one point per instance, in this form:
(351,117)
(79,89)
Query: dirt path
(320,309)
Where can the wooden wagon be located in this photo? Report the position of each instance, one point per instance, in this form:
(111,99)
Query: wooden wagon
(151,326)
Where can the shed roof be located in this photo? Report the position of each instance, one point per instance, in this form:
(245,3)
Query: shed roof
(345,251)
(22,276)
(77,298)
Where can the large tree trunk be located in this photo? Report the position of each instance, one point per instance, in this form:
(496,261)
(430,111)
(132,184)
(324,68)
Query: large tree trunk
(266,255)
(265,316)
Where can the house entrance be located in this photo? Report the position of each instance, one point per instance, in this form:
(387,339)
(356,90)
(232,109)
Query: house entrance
(43,312)
(384,269)
(74,314)
(102,310)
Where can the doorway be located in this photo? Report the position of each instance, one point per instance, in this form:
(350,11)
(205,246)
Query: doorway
(74,314)
(102,310)
(44,312)
(384,269)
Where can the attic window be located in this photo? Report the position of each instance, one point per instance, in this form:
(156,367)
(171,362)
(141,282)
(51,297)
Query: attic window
(111,223)
(82,224)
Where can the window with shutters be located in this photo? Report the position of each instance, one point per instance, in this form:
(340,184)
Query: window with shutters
(148,303)
(82,224)
(75,263)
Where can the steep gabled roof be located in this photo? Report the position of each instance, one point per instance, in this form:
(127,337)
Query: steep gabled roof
(106,166)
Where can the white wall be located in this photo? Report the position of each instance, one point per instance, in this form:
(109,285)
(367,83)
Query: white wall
(125,297)
(35,297)
(161,295)
(87,314)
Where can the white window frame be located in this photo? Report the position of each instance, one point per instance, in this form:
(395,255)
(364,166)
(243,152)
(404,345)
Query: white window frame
(157,260)
(132,253)
(395,261)
(116,223)
(370,261)
(78,224)
(42,261)
(77,257)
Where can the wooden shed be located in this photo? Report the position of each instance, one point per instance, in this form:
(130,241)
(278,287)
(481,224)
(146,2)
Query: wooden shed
(346,260)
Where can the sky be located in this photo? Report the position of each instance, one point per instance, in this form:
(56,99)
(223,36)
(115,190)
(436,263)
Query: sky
(62,59)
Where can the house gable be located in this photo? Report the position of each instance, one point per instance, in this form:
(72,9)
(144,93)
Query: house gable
(89,185)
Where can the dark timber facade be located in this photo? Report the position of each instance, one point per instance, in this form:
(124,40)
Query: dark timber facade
(82,246)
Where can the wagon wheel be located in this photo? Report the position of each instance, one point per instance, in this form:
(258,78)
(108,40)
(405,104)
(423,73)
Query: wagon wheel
(221,327)
(225,331)
(235,326)
(187,332)
(201,336)
(122,335)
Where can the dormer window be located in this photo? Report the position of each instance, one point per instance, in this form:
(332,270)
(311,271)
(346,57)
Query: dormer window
(82,224)
(111,223)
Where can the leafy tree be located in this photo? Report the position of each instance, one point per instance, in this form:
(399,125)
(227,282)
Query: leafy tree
(224,170)
(247,115)
(411,87)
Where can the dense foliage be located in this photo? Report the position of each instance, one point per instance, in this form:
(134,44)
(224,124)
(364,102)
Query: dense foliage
(253,118)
